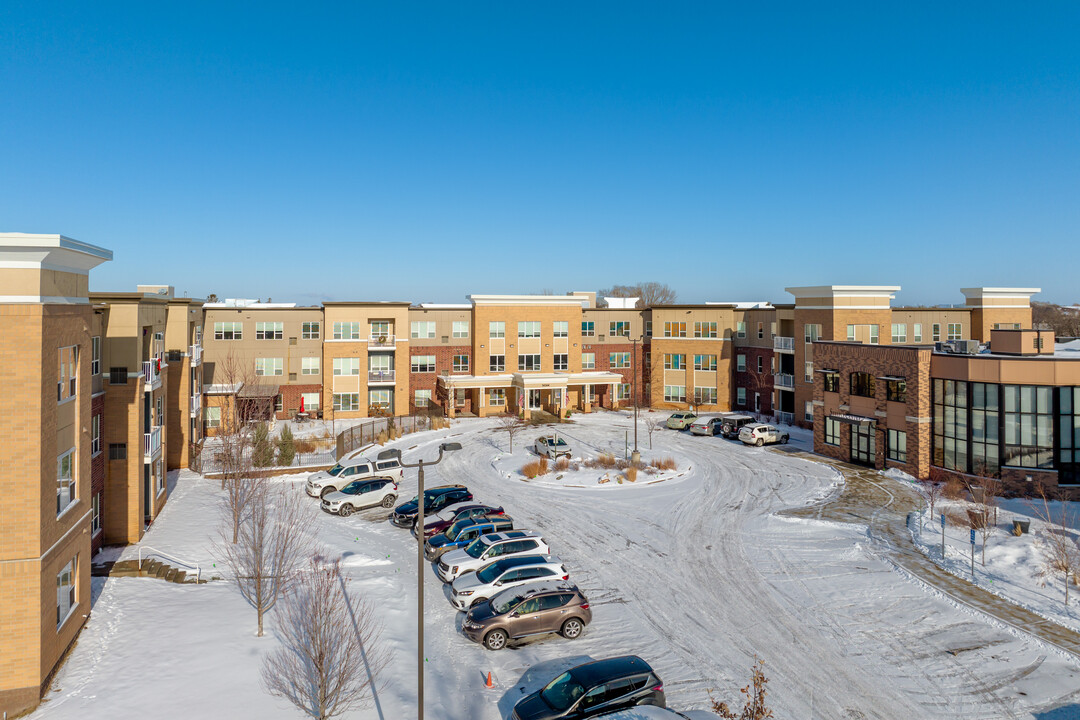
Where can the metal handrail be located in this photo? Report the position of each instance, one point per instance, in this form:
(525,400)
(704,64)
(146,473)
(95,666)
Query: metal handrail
(784,343)
(170,558)
(380,376)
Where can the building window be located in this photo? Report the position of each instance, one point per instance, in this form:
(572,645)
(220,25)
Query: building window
(562,361)
(675,329)
(95,434)
(740,363)
(377,400)
(95,514)
(916,333)
(896,445)
(832,381)
(704,329)
(497,363)
(65,592)
(671,362)
(648,328)
(347,402)
(497,396)
(985,430)
(896,390)
(528,362)
(740,331)
(956,331)
(118,451)
(381,329)
(380,363)
(347,366)
(423,363)
(1029,435)
(228,331)
(588,328)
(118,376)
(309,366)
(279,402)
(65,481)
(346,331)
(619,328)
(561,328)
(899,332)
(675,393)
(312,401)
(757,402)
(95,355)
(529,329)
(1068,433)
(422,398)
(705,362)
(497,329)
(862,384)
(812,333)
(459,329)
(619,360)
(808,411)
(460,363)
(740,396)
(832,431)
(951,424)
(704,396)
(937,332)
(66,373)
(760,331)
(808,372)
(269,366)
(159,476)
(588,361)
(623,391)
(269,330)
(309,330)
(422,329)
(851,333)
(213,420)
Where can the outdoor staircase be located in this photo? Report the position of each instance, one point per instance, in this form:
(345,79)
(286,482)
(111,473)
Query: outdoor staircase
(151,568)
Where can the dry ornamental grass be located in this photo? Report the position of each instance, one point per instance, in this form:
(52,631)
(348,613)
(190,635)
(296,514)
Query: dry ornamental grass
(535,469)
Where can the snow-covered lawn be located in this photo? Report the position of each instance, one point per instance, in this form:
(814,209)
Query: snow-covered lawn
(696,574)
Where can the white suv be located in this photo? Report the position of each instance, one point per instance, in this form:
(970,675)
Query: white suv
(360,494)
(327,481)
(486,548)
(760,434)
(504,573)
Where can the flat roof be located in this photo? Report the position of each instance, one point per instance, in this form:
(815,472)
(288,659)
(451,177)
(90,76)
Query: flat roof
(367,302)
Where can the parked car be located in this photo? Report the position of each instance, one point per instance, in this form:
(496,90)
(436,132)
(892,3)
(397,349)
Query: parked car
(458,511)
(347,470)
(486,548)
(360,494)
(435,499)
(681,420)
(761,434)
(552,446)
(534,609)
(495,577)
(706,426)
(733,423)
(592,689)
(464,532)
(651,712)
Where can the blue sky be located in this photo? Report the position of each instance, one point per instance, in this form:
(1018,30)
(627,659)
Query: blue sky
(426,151)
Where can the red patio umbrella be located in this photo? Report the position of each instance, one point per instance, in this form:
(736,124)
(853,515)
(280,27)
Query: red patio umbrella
(301,403)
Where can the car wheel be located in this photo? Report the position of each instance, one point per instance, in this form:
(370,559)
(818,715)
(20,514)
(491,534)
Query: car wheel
(571,628)
(760,442)
(495,640)
(783,439)
(388,501)
(346,510)
(326,491)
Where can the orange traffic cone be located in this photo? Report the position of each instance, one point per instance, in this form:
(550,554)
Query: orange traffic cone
(488,683)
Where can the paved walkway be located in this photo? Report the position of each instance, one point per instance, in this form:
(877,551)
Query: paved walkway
(883,505)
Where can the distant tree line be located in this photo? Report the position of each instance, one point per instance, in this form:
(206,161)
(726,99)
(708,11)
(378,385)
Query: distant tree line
(1064,321)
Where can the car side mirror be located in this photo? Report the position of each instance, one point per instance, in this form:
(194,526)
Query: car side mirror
(498,583)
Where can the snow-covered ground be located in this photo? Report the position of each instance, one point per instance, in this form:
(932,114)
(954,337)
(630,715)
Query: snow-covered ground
(697,575)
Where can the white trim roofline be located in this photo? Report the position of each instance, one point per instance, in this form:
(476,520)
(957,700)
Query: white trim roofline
(844,291)
(50,252)
(529,300)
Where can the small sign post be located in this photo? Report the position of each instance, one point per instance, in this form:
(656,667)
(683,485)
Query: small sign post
(973,553)
(942,536)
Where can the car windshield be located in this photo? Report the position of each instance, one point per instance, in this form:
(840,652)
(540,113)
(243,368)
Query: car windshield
(476,548)
(562,692)
(352,488)
(456,529)
(336,470)
(561,442)
(508,604)
(488,573)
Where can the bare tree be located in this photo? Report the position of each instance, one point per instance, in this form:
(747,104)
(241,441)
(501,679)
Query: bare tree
(933,492)
(985,497)
(331,650)
(653,424)
(754,693)
(274,538)
(1059,548)
(511,425)
(647,293)
(235,434)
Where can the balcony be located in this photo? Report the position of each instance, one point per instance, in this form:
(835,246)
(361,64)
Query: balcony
(783,380)
(196,404)
(151,374)
(195,353)
(783,344)
(382,341)
(152,444)
(379,377)
(785,417)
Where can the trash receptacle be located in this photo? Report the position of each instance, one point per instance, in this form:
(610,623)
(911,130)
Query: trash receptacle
(1021,527)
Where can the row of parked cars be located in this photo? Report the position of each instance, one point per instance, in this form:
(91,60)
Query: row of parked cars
(730,425)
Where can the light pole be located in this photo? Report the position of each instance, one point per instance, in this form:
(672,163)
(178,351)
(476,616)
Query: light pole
(635,458)
(395,453)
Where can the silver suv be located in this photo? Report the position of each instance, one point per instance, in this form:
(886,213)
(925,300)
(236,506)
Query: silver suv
(325,482)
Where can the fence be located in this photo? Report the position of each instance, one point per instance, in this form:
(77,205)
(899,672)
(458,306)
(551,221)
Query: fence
(366,433)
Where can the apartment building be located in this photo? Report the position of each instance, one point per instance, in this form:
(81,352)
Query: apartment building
(51,445)
(440,343)
(367,361)
(183,402)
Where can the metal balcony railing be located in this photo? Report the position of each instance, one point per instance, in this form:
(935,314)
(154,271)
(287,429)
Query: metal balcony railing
(785,417)
(151,373)
(783,380)
(381,341)
(380,376)
(195,352)
(152,444)
(196,404)
(783,344)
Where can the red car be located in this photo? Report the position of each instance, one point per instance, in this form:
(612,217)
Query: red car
(451,515)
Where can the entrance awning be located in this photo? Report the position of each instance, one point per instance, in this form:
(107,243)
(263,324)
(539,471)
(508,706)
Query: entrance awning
(258,391)
(894,378)
(854,419)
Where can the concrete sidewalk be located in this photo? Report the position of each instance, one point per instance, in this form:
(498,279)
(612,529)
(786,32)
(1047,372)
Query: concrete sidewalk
(883,504)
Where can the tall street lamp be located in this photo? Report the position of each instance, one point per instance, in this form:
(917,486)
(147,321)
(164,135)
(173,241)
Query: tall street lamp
(395,453)
(635,458)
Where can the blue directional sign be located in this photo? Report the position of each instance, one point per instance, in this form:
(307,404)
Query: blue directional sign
(973,537)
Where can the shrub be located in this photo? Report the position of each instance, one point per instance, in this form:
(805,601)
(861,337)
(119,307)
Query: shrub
(664,463)
(631,473)
(535,469)
(954,489)
(956,519)
(381,438)
(286,447)
(262,454)
(562,463)
(606,460)
(304,446)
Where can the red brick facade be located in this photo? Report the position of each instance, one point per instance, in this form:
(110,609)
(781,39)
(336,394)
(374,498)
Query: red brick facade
(754,381)
(603,364)
(290,399)
(444,365)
